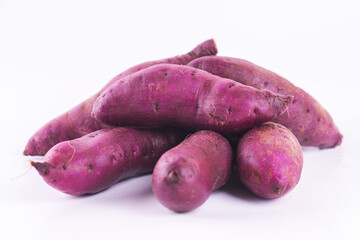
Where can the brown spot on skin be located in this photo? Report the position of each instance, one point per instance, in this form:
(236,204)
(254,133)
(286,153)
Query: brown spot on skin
(173,177)
(91,136)
(266,83)
(90,166)
(229,109)
(256,111)
(319,119)
(305,140)
(178,107)
(196,109)
(56,150)
(307,110)
(53,179)
(165,74)
(231,85)
(64,167)
(113,159)
(120,155)
(103,95)
(145,155)
(193,74)
(217,119)
(294,101)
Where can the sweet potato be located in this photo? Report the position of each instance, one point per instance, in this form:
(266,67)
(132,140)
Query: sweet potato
(98,160)
(307,119)
(185,176)
(78,122)
(269,160)
(182,96)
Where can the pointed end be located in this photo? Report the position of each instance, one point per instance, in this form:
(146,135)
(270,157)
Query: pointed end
(206,48)
(42,168)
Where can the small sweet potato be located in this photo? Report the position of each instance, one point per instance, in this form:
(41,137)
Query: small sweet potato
(98,160)
(306,118)
(78,121)
(269,160)
(185,176)
(182,96)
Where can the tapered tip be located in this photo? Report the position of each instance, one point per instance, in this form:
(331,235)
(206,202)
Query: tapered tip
(42,168)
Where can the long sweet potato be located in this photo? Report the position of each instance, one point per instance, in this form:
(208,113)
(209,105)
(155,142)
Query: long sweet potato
(185,176)
(78,121)
(182,96)
(98,160)
(306,118)
(269,160)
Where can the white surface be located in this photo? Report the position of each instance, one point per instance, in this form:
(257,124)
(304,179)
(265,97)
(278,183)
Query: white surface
(54,55)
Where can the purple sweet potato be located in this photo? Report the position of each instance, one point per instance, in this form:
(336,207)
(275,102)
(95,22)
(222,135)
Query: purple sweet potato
(182,96)
(78,121)
(306,118)
(185,176)
(98,160)
(269,160)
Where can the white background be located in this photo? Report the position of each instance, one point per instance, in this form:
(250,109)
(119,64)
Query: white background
(54,54)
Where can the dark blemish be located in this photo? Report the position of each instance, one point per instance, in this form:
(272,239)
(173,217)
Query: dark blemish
(319,119)
(91,136)
(56,150)
(133,149)
(307,110)
(216,118)
(257,174)
(178,107)
(197,109)
(145,155)
(103,95)
(120,155)
(231,85)
(193,74)
(266,83)
(279,88)
(169,61)
(165,74)
(111,90)
(305,140)
(173,177)
(90,166)
(294,101)
(113,159)
(53,179)
(256,111)
(257,91)
(155,106)
(142,78)
(229,109)
(64,167)
(248,157)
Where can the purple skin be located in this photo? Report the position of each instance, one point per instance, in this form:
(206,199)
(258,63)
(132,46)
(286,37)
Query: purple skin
(182,96)
(78,121)
(269,160)
(185,176)
(306,118)
(98,160)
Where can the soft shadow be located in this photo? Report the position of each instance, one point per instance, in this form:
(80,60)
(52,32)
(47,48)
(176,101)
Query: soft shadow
(236,189)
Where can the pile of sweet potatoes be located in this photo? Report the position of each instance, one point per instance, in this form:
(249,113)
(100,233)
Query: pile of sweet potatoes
(191,120)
